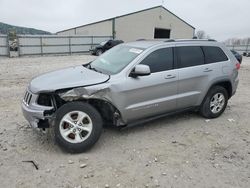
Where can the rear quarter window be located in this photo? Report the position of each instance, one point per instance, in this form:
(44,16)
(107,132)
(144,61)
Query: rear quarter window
(214,54)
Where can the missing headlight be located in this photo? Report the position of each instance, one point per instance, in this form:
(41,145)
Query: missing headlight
(44,100)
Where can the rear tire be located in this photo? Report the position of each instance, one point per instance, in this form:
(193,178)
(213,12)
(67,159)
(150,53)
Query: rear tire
(214,103)
(78,126)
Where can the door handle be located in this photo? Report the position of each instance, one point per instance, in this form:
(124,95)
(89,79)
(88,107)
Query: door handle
(207,70)
(170,76)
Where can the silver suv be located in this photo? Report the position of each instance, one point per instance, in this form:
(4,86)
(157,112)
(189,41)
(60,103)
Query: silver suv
(130,84)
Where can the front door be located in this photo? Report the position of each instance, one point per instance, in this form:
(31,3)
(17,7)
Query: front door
(146,96)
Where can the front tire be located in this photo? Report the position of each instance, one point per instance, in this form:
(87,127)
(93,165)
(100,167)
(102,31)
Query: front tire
(215,102)
(78,126)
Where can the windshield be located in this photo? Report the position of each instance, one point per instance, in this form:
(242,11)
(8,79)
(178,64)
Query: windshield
(116,59)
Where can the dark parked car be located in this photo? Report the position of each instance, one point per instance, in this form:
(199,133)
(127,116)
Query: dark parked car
(247,54)
(237,55)
(104,46)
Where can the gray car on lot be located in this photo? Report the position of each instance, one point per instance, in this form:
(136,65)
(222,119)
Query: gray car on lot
(130,84)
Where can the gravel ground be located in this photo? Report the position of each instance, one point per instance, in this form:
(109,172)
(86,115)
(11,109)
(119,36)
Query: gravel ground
(178,151)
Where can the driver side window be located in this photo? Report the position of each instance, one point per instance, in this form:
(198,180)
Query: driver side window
(160,60)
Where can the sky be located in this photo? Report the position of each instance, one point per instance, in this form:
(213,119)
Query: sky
(220,19)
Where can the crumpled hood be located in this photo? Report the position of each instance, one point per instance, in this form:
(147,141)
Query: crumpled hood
(66,78)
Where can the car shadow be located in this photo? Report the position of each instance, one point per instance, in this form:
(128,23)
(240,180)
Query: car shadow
(48,144)
(114,137)
(163,121)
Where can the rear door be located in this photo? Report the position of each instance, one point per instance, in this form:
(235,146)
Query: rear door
(193,75)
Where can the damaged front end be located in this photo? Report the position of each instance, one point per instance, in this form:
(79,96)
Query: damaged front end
(40,109)
(34,112)
(98,97)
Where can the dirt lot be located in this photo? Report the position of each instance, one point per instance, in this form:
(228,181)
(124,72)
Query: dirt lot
(179,151)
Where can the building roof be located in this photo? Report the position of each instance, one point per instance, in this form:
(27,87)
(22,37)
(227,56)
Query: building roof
(109,19)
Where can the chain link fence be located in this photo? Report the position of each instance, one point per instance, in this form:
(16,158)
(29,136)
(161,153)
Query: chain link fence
(240,48)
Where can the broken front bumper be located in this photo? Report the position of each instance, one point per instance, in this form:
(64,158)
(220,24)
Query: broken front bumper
(33,112)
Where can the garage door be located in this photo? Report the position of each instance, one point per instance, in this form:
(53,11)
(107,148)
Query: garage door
(162,33)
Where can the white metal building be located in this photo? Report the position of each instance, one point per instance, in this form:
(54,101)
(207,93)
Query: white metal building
(155,22)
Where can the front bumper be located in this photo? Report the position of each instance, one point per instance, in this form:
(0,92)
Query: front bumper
(33,112)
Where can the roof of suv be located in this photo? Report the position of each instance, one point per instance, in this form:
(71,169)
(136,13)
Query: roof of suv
(149,43)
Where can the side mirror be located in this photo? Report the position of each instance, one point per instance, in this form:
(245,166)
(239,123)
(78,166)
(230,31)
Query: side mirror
(140,70)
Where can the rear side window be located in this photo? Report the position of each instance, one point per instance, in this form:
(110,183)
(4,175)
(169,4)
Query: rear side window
(214,54)
(189,56)
(160,60)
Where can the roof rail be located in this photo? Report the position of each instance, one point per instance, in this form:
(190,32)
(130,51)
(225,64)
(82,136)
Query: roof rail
(212,40)
(186,40)
(170,40)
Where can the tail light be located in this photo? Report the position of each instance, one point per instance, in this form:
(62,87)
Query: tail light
(238,66)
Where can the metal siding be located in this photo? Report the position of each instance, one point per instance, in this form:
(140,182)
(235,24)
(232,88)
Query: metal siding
(68,32)
(141,25)
(3,39)
(3,51)
(55,49)
(78,49)
(29,50)
(137,26)
(55,41)
(81,40)
(4,48)
(98,29)
(98,40)
(239,48)
(54,44)
(30,41)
